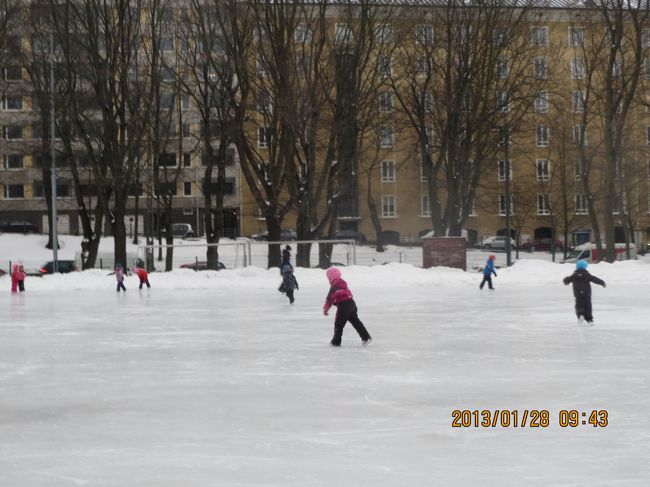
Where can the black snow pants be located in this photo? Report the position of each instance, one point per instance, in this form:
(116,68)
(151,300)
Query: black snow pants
(583,307)
(347,311)
(487,279)
(142,283)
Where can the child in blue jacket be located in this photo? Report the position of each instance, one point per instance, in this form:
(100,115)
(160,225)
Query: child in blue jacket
(488,270)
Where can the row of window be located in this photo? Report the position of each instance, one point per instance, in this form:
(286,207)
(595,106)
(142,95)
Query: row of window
(63,190)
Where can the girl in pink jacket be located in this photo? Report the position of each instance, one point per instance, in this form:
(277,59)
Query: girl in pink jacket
(17,278)
(341,297)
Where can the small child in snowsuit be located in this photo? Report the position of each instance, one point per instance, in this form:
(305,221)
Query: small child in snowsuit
(17,278)
(119,277)
(340,296)
(142,275)
(488,270)
(289,282)
(581,280)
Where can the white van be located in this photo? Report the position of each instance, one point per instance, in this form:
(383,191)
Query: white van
(106,260)
(589,252)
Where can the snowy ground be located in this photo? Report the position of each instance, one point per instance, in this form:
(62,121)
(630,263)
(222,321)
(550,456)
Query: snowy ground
(212,379)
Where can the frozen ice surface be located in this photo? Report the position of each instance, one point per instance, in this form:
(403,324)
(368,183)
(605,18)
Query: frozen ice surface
(212,379)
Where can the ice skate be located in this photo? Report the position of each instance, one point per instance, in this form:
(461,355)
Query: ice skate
(365,343)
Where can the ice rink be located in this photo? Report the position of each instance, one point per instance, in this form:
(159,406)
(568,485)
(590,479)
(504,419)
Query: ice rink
(230,386)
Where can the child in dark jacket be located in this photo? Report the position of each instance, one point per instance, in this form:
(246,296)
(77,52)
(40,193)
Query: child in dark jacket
(581,280)
(289,282)
(340,296)
(488,270)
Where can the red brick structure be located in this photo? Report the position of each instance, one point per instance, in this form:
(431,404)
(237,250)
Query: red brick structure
(444,251)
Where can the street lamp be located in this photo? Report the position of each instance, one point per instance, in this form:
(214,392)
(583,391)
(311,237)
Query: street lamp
(55,236)
(505,131)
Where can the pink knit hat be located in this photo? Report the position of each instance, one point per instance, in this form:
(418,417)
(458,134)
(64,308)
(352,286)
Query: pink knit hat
(333,273)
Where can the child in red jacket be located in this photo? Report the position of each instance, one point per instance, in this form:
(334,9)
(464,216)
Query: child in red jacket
(143,276)
(17,278)
(341,297)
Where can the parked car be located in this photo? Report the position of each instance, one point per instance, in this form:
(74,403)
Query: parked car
(183,230)
(19,227)
(498,242)
(63,267)
(359,238)
(201,266)
(543,244)
(285,235)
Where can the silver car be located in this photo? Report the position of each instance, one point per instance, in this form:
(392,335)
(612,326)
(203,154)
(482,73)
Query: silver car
(497,243)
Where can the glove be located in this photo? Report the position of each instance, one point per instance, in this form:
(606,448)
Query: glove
(326,308)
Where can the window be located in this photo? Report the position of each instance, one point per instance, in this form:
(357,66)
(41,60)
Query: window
(542,136)
(543,208)
(539,36)
(646,71)
(541,102)
(502,205)
(166,43)
(619,204)
(540,68)
(302,34)
(167,159)
(577,167)
(503,103)
(388,206)
(647,135)
(260,68)
(13,103)
(14,191)
(14,161)
(263,137)
(185,102)
(617,68)
(580,135)
(386,136)
(229,187)
(63,190)
(648,169)
(425,207)
(386,102)
(578,99)
(645,37)
(424,66)
(503,69)
(581,204)
(185,130)
(14,132)
(577,68)
(264,103)
(576,36)
(13,73)
(384,34)
(187,159)
(383,66)
(423,171)
(424,34)
(543,170)
(428,102)
(387,171)
(501,173)
(343,34)
(187,188)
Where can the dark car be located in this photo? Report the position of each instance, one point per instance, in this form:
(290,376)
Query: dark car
(201,266)
(19,227)
(285,235)
(543,244)
(359,238)
(63,267)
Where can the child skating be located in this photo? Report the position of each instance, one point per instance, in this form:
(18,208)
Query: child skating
(488,270)
(289,282)
(340,296)
(17,278)
(119,277)
(581,280)
(142,275)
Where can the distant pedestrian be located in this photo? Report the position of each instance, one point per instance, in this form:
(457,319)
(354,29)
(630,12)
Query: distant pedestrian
(289,282)
(581,280)
(119,277)
(340,296)
(142,275)
(18,278)
(286,258)
(488,270)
